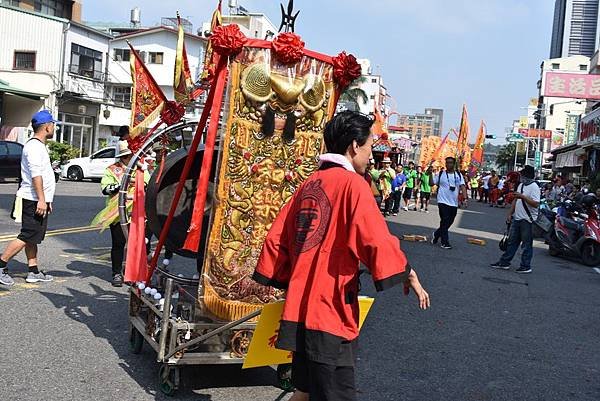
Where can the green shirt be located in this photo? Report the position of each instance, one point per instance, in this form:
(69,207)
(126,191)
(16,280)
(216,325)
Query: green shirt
(411,178)
(425,187)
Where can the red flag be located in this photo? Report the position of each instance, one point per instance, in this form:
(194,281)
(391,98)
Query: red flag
(147,100)
(211,58)
(436,155)
(462,143)
(477,155)
(182,82)
(136,265)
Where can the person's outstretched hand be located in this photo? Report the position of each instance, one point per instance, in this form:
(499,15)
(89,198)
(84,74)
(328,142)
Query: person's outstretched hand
(414,283)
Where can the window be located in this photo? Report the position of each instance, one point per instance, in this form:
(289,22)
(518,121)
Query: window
(374,80)
(24,60)
(14,3)
(583,67)
(50,7)
(372,97)
(86,62)
(14,148)
(122,54)
(122,95)
(155,58)
(3,149)
(105,154)
(555,66)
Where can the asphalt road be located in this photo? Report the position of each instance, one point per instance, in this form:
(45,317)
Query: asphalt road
(490,335)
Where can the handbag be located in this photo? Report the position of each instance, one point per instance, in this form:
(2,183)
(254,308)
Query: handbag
(503,244)
(542,221)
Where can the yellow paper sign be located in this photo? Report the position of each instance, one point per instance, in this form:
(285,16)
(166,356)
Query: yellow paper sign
(262,351)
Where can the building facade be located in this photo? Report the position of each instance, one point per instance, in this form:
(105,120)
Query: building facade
(575,28)
(67,9)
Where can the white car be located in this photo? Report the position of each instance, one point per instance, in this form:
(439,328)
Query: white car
(89,167)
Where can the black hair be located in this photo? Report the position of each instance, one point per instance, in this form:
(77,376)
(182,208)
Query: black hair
(452,158)
(36,127)
(123,131)
(346,127)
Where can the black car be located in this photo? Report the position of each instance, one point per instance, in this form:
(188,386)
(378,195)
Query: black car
(10,159)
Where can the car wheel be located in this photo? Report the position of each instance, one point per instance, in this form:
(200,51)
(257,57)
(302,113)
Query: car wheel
(75,173)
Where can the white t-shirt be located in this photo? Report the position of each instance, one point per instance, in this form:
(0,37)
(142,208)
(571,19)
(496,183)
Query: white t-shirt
(486,181)
(35,162)
(444,181)
(501,184)
(531,191)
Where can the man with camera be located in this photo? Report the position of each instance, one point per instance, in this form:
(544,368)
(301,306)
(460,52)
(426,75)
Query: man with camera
(450,182)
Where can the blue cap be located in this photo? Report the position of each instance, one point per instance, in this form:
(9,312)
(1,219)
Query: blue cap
(42,117)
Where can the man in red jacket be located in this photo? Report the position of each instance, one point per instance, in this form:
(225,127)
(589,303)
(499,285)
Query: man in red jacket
(313,250)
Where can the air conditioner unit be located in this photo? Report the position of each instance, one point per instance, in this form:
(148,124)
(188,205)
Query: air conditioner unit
(81,109)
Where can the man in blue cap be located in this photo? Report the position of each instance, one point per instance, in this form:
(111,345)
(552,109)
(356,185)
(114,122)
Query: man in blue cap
(37,191)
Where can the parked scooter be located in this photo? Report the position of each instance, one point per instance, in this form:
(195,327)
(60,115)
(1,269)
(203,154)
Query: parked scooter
(576,230)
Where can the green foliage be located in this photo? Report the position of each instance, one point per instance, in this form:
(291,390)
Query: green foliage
(102,143)
(506,156)
(61,151)
(354,94)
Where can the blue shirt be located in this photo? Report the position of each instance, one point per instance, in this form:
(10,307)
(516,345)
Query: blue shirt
(398,181)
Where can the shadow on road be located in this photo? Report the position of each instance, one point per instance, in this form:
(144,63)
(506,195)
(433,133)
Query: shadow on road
(104,312)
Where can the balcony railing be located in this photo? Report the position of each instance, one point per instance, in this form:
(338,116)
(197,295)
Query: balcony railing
(87,73)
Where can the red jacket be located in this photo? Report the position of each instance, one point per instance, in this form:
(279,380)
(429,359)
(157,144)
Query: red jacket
(314,248)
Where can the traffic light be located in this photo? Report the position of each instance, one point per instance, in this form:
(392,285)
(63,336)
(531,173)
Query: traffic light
(490,136)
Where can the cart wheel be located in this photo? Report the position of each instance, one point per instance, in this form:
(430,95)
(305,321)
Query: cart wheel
(136,340)
(284,377)
(168,379)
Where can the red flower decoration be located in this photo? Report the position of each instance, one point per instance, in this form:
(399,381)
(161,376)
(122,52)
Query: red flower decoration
(228,40)
(288,47)
(345,69)
(298,162)
(254,168)
(247,155)
(289,176)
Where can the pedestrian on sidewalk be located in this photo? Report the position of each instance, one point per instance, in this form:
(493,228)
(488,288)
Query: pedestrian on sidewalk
(411,180)
(523,212)
(424,182)
(313,250)
(37,189)
(450,182)
(398,185)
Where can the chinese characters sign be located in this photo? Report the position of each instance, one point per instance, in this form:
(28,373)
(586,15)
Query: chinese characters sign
(571,129)
(536,133)
(577,86)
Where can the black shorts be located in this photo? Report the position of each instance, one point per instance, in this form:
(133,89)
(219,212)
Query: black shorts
(407,193)
(33,227)
(322,381)
(425,195)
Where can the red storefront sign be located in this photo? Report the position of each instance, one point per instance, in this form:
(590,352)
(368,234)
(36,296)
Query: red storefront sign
(575,86)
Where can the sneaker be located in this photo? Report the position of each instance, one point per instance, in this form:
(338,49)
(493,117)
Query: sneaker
(415,209)
(5,279)
(37,277)
(523,270)
(426,211)
(446,246)
(434,240)
(405,209)
(394,214)
(117,280)
(499,265)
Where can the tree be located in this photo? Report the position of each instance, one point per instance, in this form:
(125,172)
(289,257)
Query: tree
(354,94)
(61,151)
(506,156)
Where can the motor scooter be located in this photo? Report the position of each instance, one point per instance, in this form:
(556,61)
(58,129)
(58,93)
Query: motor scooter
(576,231)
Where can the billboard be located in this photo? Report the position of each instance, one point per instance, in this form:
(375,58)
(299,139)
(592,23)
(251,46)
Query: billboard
(575,86)
(571,129)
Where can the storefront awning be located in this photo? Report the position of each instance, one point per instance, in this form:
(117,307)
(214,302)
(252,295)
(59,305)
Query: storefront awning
(5,87)
(567,159)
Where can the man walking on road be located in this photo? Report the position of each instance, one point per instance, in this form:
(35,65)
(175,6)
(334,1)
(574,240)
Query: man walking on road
(450,182)
(411,180)
(523,213)
(424,181)
(398,185)
(37,191)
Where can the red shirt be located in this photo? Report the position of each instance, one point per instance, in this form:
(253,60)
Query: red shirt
(314,248)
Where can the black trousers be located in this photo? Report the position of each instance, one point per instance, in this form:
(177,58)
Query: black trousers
(321,381)
(117,250)
(447,216)
(486,194)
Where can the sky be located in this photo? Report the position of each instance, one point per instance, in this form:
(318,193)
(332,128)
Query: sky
(431,53)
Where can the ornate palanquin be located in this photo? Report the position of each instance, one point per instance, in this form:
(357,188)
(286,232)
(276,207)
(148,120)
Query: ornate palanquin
(271,144)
